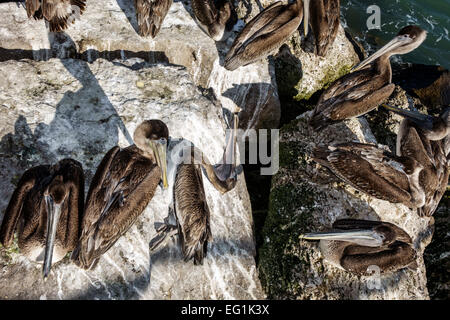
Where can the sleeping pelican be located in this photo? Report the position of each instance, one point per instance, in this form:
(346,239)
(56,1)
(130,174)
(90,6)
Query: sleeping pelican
(57,13)
(325,21)
(46,208)
(426,139)
(265,34)
(359,245)
(366,88)
(150,15)
(123,185)
(189,213)
(376,172)
(211,20)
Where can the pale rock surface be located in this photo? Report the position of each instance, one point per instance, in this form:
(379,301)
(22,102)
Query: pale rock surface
(70,108)
(107,29)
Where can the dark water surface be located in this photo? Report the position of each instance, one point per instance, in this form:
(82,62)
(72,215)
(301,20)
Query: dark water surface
(431,15)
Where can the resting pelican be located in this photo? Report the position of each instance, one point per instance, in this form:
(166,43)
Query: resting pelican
(374,171)
(359,245)
(123,185)
(46,208)
(364,89)
(210,19)
(265,34)
(426,139)
(189,212)
(150,15)
(58,13)
(325,20)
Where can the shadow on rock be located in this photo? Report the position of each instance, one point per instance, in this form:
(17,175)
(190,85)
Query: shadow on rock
(255,100)
(85,125)
(129,10)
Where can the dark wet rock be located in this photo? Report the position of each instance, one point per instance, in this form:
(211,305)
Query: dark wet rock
(431,84)
(306,197)
(437,254)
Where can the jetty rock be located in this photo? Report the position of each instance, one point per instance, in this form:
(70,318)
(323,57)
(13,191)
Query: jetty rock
(306,197)
(70,108)
(107,29)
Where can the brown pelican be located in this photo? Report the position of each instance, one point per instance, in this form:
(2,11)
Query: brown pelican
(189,212)
(210,19)
(325,15)
(358,245)
(150,15)
(374,171)
(362,91)
(426,139)
(58,13)
(46,208)
(265,33)
(123,185)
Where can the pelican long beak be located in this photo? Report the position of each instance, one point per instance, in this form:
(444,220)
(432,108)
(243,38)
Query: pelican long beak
(226,169)
(422,120)
(160,151)
(362,237)
(388,48)
(53,215)
(306,12)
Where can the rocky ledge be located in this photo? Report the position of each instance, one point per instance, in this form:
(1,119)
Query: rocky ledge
(69,108)
(105,80)
(306,197)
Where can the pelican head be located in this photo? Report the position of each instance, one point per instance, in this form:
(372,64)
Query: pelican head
(362,232)
(407,40)
(355,245)
(55,195)
(151,137)
(434,128)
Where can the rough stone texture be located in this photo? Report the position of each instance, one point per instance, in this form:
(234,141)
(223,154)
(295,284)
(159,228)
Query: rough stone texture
(318,72)
(70,108)
(306,197)
(107,29)
(300,67)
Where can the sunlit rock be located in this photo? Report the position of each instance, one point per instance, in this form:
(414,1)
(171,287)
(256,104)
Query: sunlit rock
(306,197)
(107,29)
(70,108)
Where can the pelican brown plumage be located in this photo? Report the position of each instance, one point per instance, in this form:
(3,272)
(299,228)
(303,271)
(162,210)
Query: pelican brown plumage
(46,208)
(426,139)
(123,185)
(366,88)
(324,16)
(150,15)
(265,33)
(360,245)
(211,19)
(58,13)
(374,171)
(189,213)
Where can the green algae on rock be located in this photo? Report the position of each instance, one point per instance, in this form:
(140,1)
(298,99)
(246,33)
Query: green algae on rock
(306,197)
